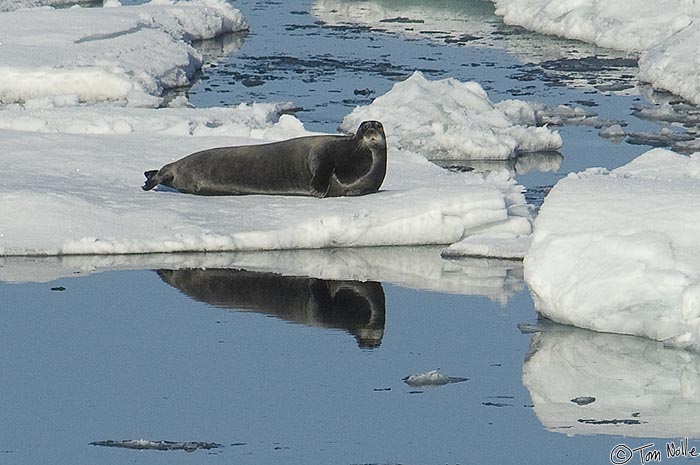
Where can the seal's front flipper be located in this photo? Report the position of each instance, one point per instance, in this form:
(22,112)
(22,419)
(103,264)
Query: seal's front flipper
(151,180)
(321,182)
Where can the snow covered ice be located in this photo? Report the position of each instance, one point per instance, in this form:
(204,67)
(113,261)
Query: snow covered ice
(79,193)
(126,54)
(432,117)
(617,251)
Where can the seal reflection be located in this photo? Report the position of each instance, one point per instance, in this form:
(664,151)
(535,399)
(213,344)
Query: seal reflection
(354,306)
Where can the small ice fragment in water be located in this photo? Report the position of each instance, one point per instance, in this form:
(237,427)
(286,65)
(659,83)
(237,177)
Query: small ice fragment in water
(614,421)
(496,404)
(612,132)
(583,400)
(144,444)
(431,378)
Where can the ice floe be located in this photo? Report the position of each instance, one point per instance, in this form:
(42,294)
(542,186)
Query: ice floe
(451,120)
(145,444)
(617,251)
(70,184)
(130,54)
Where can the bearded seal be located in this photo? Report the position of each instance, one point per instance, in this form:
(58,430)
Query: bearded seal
(319,166)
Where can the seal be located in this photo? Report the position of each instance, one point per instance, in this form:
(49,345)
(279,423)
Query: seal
(319,166)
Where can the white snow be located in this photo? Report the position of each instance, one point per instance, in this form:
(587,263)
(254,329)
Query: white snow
(617,251)
(641,388)
(664,32)
(129,54)
(450,120)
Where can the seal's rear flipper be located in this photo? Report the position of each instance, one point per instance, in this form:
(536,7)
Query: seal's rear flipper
(151,181)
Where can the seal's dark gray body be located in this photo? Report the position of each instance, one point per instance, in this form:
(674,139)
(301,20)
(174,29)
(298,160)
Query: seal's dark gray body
(320,166)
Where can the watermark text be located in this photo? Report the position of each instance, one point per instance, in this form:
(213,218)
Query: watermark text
(622,454)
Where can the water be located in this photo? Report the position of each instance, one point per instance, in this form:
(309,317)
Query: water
(123,355)
(300,357)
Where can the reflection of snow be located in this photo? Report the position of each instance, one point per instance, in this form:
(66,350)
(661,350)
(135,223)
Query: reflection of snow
(522,164)
(447,21)
(452,120)
(412,267)
(617,251)
(665,31)
(640,388)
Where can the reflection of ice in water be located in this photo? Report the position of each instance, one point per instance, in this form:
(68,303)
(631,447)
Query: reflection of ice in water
(524,163)
(640,387)
(452,21)
(221,47)
(412,267)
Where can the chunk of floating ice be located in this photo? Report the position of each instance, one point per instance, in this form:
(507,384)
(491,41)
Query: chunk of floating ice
(583,400)
(130,54)
(58,177)
(617,251)
(432,117)
(612,132)
(144,444)
(431,378)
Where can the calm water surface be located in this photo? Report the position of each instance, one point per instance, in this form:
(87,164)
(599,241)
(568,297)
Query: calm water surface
(299,357)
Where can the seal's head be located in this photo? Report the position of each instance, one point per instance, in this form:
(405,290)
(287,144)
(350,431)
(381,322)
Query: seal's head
(371,134)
